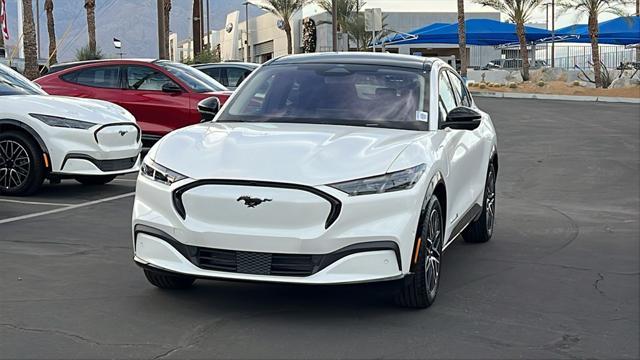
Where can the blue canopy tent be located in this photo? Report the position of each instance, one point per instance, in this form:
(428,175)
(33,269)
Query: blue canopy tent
(479,32)
(624,30)
(413,34)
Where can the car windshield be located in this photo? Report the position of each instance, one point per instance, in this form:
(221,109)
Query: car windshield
(194,79)
(339,94)
(12,83)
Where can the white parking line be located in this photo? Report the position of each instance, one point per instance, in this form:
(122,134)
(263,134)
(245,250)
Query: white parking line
(127,180)
(34,202)
(66,208)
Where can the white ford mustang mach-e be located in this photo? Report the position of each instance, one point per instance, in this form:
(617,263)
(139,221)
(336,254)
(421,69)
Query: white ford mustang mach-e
(54,137)
(322,169)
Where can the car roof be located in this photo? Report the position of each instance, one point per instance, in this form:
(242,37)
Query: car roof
(385,59)
(63,66)
(227,63)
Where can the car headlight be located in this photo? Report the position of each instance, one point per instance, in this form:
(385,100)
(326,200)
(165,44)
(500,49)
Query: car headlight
(398,180)
(63,122)
(159,173)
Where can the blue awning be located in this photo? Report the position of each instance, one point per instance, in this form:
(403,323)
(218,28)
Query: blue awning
(624,30)
(479,32)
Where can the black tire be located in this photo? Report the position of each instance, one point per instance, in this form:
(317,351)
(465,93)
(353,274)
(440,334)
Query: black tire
(164,281)
(481,230)
(419,289)
(22,169)
(92,180)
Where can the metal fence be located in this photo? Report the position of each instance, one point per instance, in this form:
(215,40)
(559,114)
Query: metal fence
(567,56)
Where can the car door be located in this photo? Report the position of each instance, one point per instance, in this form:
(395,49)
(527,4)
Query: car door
(95,82)
(158,112)
(461,149)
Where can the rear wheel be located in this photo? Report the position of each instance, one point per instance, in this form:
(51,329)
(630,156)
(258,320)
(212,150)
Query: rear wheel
(95,179)
(481,230)
(164,281)
(21,164)
(420,288)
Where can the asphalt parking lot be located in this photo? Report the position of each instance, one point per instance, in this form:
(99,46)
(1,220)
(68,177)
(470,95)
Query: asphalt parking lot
(560,278)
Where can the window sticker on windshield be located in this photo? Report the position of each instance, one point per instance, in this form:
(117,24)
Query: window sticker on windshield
(422,116)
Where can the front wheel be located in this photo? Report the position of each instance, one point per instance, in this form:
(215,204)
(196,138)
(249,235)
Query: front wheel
(170,282)
(481,230)
(22,167)
(420,288)
(95,179)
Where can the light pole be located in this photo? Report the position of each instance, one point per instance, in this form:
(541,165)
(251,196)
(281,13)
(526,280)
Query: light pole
(553,33)
(334,22)
(246,29)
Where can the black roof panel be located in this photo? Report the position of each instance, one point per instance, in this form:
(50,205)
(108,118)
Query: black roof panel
(370,58)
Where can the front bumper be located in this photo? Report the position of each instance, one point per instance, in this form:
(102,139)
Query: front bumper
(111,149)
(210,234)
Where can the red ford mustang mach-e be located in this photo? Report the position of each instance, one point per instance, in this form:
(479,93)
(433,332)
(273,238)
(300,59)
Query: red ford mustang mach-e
(162,95)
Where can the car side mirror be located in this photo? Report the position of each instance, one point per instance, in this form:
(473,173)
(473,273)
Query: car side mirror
(171,88)
(462,118)
(208,108)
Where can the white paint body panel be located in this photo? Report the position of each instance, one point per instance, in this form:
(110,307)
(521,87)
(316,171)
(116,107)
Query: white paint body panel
(293,222)
(110,120)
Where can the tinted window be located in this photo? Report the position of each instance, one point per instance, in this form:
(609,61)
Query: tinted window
(195,79)
(214,73)
(146,78)
(99,76)
(341,94)
(447,97)
(460,90)
(235,76)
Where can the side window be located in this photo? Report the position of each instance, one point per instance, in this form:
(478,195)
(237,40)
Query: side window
(447,100)
(99,76)
(146,78)
(235,76)
(460,90)
(213,72)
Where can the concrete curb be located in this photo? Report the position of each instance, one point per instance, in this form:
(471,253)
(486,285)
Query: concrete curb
(606,99)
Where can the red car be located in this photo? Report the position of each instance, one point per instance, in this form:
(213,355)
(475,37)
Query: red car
(162,95)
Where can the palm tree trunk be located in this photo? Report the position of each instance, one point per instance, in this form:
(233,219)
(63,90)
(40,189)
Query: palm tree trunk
(51,29)
(524,52)
(90,6)
(595,51)
(1,38)
(462,39)
(287,30)
(29,41)
(167,13)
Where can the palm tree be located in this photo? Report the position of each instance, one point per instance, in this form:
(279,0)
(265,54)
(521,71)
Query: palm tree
(345,10)
(90,6)
(51,29)
(519,12)
(593,8)
(167,12)
(285,9)
(462,39)
(29,41)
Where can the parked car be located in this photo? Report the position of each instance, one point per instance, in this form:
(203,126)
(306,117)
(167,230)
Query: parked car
(229,74)
(324,169)
(161,94)
(511,64)
(53,137)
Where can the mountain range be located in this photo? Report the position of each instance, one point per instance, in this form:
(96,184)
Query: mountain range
(134,22)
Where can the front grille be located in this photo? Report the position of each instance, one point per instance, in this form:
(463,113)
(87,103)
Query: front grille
(256,263)
(115,165)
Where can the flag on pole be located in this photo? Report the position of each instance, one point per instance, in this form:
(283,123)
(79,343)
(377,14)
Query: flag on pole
(116,42)
(4,23)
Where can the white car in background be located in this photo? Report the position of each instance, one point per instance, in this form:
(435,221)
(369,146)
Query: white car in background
(53,137)
(322,169)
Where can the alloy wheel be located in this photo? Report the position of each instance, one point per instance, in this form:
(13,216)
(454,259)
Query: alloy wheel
(434,250)
(14,165)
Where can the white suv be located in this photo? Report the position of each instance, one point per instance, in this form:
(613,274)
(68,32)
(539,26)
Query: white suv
(53,137)
(322,169)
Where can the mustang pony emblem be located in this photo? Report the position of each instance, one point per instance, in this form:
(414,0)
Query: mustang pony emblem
(122,132)
(252,202)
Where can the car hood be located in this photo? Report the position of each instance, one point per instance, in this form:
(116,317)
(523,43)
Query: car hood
(294,153)
(95,111)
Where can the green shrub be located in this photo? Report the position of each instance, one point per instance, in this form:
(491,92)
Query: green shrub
(513,85)
(84,54)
